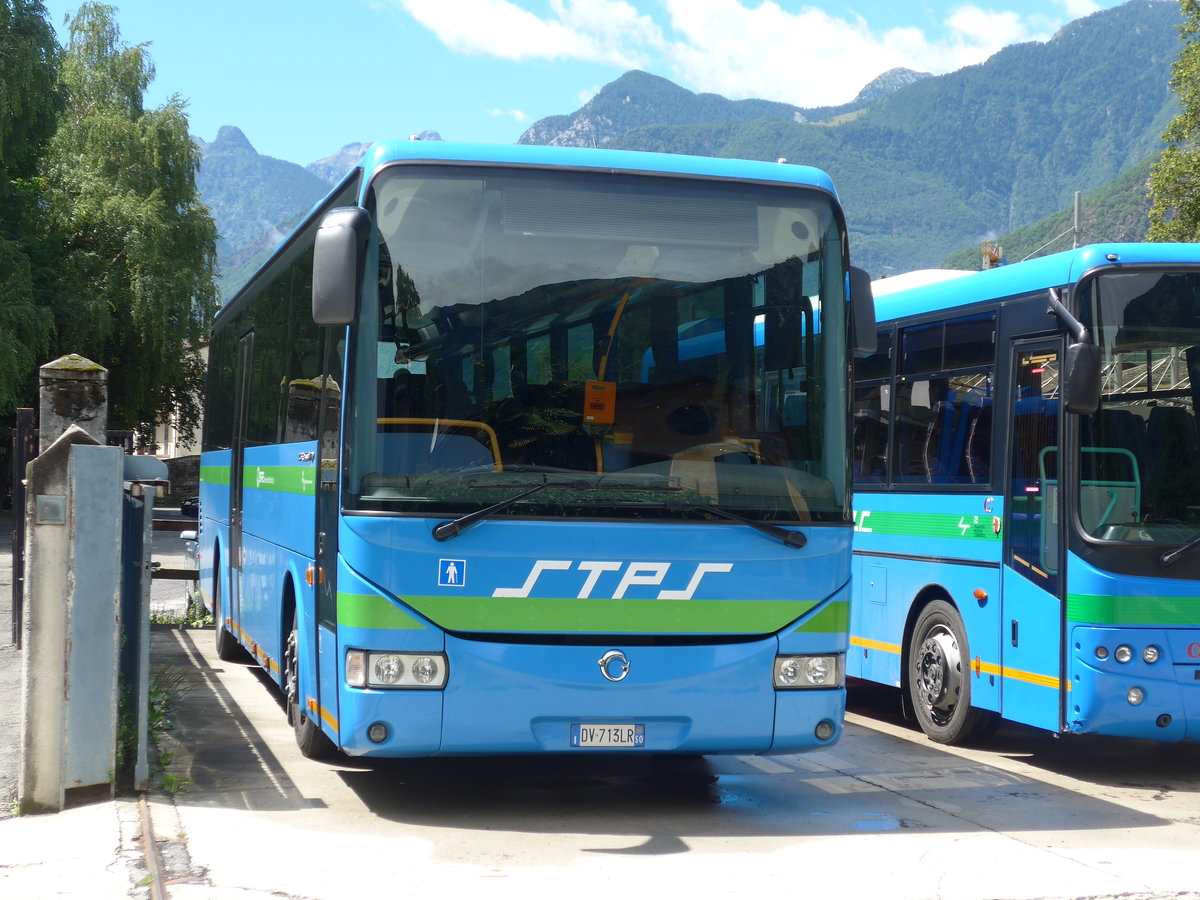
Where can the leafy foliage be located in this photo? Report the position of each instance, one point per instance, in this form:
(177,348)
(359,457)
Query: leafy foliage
(29,99)
(29,104)
(132,288)
(1175,182)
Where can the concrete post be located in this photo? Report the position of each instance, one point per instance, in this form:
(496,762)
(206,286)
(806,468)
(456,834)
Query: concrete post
(72,620)
(73,391)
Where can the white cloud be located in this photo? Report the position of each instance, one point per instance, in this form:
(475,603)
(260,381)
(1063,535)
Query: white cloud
(737,48)
(604,31)
(1077,9)
(516,115)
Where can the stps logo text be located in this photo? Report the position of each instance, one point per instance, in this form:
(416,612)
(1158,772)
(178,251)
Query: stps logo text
(613,579)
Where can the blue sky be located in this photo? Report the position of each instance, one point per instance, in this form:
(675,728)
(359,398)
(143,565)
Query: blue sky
(302,78)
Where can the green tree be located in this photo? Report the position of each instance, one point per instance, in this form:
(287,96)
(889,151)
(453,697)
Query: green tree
(1175,179)
(29,105)
(133,286)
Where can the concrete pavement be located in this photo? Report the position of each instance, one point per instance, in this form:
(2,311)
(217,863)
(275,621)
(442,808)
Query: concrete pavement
(92,849)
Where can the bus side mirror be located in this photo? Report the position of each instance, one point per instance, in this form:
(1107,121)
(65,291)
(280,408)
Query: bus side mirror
(338,265)
(863,339)
(1080,374)
(1081,377)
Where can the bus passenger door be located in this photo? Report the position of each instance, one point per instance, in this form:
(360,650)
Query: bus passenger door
(321,628)
(1032,588)
(237,463)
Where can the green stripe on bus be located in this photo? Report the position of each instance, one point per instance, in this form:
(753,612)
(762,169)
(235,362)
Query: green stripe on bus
(596,616)
(215,475)
(283,479)
(1108,609)
(373,611)
(925,525)
(833,619)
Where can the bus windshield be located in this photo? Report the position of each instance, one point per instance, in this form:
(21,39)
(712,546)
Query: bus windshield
(640,346)
(1140,452)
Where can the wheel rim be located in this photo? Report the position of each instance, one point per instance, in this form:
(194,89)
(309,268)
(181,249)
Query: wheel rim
(939,674)
(292,680)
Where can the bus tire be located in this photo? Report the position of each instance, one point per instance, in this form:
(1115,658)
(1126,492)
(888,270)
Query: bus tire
(310,739)
(939,677)
(224,642)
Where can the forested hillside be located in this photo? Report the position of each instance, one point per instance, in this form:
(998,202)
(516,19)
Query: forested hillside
(926,166)
(938,164)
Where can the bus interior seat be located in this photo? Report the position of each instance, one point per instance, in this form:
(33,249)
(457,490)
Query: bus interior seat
(945,442)
(1116,429)
(665,418)
(979,445)
(870,446)
(1173,441)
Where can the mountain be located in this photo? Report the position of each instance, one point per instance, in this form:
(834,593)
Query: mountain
(639,99)
(249,193)
(333,169)
(888,83)
(939,162)
(255,200)
(1118,211)
(926,166)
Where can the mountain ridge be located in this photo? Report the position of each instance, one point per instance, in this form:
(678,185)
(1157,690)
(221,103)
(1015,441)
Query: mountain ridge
(925,165)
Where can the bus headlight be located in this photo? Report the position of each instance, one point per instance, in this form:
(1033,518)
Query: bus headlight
(1123,654)
(378,669)
(800,672)
(1150,655)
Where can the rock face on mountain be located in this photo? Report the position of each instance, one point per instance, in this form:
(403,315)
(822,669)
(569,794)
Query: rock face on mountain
(333,168)
(888,83)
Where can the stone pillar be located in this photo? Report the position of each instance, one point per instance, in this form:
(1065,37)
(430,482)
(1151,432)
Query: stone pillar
(73,391)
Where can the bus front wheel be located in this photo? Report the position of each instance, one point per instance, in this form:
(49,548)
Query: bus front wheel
(309,738)
(939,677)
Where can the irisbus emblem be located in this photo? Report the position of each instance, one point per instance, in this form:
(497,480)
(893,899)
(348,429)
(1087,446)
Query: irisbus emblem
(614,665)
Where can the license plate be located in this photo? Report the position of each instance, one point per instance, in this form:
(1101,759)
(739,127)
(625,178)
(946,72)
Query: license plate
(612,736)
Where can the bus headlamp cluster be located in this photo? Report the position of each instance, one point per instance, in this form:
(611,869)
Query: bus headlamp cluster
(800,672)
(1124,653)
(379,669)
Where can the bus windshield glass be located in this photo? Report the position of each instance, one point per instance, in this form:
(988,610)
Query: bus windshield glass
(633,346)
(1140,452)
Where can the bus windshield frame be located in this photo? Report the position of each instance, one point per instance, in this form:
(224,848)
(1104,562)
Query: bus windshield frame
(635,346)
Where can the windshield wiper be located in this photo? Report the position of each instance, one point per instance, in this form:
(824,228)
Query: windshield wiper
(794,539)
(1171,557)
(454,527)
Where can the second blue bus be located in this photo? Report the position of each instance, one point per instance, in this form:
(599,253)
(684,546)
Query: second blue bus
(1027,468)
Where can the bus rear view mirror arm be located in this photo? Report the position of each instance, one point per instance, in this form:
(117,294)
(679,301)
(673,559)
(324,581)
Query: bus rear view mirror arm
(1081,365)
(338,265)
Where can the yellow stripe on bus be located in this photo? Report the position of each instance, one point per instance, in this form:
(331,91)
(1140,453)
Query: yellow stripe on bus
(978,666)
(874,645)
(325,715)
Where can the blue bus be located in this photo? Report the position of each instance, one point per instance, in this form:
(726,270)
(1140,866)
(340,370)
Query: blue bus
(503,453)
(1027,508)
